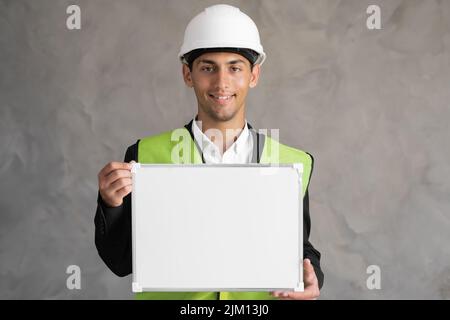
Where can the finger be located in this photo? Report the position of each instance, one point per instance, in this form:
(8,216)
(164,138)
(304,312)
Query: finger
(285,295)
(113,166)
(291,295)
(288,298)
(119,184)
(308,294)
(282,295)
(124,191)
(276,294)
(116,175)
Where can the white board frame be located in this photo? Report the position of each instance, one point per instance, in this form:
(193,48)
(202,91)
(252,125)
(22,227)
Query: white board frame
(148,187)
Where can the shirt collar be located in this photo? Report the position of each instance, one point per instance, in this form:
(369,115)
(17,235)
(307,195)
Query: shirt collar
(202,140)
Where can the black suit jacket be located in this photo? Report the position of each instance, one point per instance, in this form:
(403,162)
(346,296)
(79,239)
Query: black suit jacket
(113,225)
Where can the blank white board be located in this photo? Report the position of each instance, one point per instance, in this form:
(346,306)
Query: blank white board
(217,227)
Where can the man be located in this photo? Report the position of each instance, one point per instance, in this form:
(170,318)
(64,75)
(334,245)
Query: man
(221,59)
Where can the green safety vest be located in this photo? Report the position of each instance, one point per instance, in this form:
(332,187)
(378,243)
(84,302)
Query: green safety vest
(178,147)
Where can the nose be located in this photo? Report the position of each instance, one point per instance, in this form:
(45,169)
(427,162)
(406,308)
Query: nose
(222,79)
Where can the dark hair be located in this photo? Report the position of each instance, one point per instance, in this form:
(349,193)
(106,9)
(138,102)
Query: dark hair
(249,54)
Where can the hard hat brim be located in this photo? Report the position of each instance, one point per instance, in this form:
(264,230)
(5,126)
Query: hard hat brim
(251,55)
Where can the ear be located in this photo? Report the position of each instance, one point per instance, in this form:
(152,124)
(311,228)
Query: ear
(187,76)
(255,75)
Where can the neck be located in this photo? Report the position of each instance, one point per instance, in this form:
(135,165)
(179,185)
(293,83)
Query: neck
(230,130)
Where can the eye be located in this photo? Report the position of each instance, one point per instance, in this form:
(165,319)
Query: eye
(207,68)
(235,69)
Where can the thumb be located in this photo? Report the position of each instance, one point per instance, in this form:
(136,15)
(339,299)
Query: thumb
(310,274)
(307,263)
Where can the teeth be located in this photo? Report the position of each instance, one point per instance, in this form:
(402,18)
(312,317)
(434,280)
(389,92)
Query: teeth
(222,97)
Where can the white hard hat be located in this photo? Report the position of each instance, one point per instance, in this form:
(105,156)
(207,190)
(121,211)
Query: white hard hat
(222,26)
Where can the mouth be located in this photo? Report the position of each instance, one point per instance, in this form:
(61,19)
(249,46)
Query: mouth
(222,99)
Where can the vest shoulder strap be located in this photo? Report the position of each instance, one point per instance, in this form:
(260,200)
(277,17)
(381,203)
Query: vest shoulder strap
(174,146)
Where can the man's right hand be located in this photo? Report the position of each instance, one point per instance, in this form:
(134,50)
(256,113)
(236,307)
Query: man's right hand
(114,182)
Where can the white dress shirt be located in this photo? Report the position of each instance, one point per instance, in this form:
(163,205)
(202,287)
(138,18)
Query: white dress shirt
(240,152)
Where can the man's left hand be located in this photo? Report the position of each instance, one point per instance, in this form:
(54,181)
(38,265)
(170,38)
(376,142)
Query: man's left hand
(311,291)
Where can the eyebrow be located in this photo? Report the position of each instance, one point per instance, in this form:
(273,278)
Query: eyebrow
(213,62)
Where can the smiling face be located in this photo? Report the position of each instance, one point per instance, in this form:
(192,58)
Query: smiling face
(221,81)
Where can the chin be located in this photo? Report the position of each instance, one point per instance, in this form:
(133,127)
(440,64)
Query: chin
(222,117)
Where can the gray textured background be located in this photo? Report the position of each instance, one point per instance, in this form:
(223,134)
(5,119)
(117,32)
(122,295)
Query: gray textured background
(371,106)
